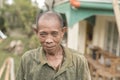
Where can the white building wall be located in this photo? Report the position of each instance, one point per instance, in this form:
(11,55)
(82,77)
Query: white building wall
(77,34)
(97,32)
(77,37)
(73,37)
(82,37)
(100,30)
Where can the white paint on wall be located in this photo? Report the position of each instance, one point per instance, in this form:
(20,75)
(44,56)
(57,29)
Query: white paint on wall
(77,37)
(82,37)
(73,37)
(96,33)
(99,34)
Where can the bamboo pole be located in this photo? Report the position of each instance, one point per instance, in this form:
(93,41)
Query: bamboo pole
(7,75)
(2,69)
(12,75)
(9,65)
(117,14)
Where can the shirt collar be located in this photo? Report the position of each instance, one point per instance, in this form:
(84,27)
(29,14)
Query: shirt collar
(42,58)
(66,61)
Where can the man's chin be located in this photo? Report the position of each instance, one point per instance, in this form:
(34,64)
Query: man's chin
(51,49)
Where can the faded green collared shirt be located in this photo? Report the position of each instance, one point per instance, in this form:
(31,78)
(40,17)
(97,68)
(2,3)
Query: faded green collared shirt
(34,66)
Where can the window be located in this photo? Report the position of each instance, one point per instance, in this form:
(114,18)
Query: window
(112,43)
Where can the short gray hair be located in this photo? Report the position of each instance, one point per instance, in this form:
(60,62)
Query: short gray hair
(57,15)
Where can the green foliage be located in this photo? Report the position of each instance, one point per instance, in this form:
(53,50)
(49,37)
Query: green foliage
(2,24)
(22,14)
(34,42)
(1,21)
(4,54)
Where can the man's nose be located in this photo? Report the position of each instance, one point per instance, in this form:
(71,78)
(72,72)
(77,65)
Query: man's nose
(49,40)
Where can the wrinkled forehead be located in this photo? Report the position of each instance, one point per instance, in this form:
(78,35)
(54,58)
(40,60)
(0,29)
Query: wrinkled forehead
(50,17)
(49,24)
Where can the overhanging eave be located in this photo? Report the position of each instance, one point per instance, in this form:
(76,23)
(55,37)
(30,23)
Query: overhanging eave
(86,10)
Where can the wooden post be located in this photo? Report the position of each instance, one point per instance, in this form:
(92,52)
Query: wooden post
(2,69)
(117,14)
(9,65)
(12,73)
(7,71)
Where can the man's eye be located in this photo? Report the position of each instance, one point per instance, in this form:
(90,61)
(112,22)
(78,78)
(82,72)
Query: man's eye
(43,34)
(54,34)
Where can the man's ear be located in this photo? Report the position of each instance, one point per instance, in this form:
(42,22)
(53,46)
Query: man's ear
(35,29)
(64,29)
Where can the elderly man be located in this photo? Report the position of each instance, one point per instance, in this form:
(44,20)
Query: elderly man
(52,61)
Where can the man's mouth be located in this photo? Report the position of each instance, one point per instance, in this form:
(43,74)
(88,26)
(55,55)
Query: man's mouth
(50,47)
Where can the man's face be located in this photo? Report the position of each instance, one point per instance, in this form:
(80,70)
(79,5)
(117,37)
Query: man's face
(50,34)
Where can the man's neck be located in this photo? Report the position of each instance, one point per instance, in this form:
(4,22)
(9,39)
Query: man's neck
(56,55)
(57,52)
(55,60)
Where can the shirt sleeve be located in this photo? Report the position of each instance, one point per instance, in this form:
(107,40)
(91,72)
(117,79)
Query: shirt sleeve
(86,72)
(20,73)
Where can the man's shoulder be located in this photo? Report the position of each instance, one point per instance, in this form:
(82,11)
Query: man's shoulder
(31,53)
(76,55)
(75,52)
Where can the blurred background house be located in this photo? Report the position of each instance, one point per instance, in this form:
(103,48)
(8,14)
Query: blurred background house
(92,23)
(92,29)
